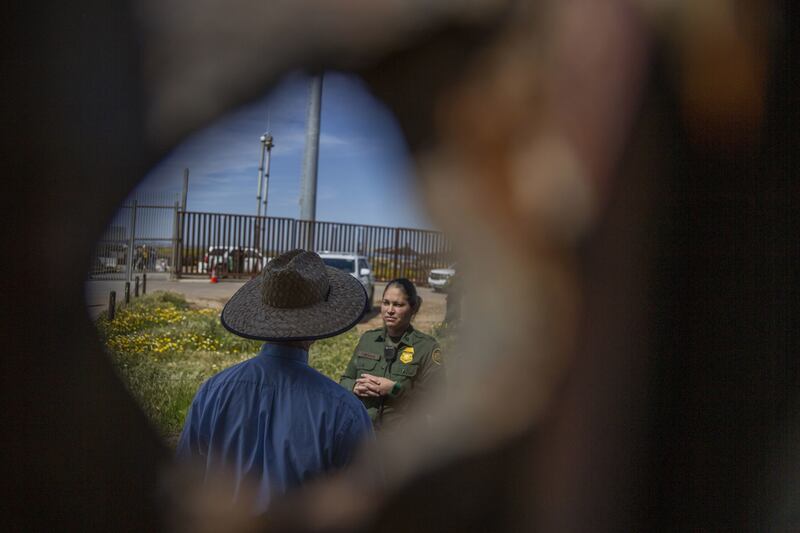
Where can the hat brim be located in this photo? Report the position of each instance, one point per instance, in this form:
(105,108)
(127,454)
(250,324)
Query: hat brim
(246,314)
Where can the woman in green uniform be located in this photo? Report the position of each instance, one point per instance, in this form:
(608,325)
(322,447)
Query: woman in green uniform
(396,364)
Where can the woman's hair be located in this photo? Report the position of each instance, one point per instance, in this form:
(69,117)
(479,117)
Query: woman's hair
(408,288)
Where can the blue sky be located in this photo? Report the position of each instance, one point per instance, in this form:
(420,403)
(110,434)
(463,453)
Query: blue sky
(364,174)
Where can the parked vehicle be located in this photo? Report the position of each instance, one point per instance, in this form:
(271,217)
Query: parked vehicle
(439,278)
(231,259)
(357,266)
(110,257)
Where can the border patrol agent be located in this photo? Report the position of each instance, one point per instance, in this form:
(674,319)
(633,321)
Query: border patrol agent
(395,364)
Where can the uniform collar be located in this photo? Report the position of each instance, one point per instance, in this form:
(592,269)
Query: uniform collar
(284,352)
(405,339)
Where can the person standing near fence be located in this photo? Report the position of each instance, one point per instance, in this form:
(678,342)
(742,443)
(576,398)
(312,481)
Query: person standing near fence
(272,423)
(395,365)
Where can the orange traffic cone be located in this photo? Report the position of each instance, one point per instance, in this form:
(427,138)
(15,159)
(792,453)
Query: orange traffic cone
(214,279)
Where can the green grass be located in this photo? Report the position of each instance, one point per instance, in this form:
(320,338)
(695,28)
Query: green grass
(164,348)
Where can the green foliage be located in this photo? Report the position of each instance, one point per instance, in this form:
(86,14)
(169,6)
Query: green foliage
(164,348)
(446,334)
(384,269)
(163,251)
(330,356)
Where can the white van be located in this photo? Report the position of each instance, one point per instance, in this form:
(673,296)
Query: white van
(439,278)
(357,266)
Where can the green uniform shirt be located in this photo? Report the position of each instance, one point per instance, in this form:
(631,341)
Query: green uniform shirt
(416,369)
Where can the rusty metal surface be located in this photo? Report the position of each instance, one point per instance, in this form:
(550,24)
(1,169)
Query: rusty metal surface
(627,166)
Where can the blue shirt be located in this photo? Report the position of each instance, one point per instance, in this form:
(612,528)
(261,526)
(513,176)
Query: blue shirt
(275,420)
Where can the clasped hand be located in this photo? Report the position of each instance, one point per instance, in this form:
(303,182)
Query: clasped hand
(369,385)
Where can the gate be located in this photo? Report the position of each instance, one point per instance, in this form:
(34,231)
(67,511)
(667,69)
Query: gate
(140,239)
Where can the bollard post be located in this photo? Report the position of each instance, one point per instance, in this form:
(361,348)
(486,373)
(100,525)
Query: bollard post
(136,287)
(127,292)
(112,304)
(144,283)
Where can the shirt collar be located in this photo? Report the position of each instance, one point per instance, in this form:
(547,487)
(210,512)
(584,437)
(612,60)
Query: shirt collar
(285,352)
(405,339)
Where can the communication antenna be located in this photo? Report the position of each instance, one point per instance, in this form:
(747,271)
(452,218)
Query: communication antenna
(263,182)
(263,173)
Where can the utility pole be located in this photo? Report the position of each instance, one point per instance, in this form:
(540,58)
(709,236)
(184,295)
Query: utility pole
(177,241)
(266,149)
(185,191)
(266,140)
(261,174)
(308,186)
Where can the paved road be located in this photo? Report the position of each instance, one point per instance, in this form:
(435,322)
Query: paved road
(202,292)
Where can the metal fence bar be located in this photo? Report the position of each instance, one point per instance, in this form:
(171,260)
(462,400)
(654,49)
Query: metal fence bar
(175,240)
(276,237)
(189,249)
(193,259)
(190,239)
(132,240)
(197,252)
(392,252)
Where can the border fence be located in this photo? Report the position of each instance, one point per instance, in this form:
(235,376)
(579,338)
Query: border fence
(244,243)
(154,235)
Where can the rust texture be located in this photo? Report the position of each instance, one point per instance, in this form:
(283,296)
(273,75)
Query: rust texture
(630,361)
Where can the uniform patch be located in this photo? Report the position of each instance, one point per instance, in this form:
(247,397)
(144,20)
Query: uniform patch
(369,356)
(408,355)
(437,356)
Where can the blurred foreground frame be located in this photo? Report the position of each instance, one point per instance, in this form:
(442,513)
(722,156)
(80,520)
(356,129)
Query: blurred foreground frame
(630,356)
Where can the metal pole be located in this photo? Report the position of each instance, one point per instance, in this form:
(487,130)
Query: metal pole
(185,192)
(268,144)
(266,148)
(176,263)
(308,188)
(112,304)
(175,233)
(260,174)
(132,241)
(395,269)
(177,266)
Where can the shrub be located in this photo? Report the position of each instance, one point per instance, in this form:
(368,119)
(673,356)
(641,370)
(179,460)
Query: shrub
(446,334)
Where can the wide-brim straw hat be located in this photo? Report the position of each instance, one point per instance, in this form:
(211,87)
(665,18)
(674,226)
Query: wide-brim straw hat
(296,297)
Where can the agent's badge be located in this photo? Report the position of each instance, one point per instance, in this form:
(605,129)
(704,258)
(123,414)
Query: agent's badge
(408,355)
(437,356)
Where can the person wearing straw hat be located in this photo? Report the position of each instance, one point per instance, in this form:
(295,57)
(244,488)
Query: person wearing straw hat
(273,422)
